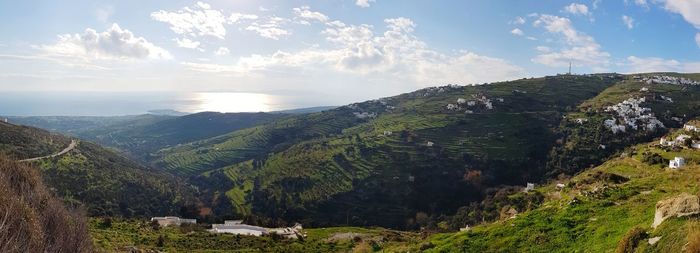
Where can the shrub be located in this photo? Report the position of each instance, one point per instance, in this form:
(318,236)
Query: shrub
(629,242)
(693,245)
(32,219)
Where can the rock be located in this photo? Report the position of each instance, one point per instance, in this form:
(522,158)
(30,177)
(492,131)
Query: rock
(682,205)
(654,240)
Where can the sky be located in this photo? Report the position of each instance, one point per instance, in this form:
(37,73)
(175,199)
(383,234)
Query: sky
(332,52)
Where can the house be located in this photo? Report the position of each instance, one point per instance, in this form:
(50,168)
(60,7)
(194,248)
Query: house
(581,120)
(691,128)
(172,221)
(676,163)
(4,120)
(561,186)
(461,101)
(695,145)
(644,89)
(681,138)
(387,133)
(429,143)
(529,187)
(452,107)
(466,228)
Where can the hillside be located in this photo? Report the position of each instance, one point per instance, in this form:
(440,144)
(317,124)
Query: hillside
(101,180)
(141,135)
(599,210)
(32,219)
(609,208)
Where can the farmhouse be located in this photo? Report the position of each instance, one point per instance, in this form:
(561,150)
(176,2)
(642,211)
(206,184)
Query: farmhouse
(676,163)
(172,221)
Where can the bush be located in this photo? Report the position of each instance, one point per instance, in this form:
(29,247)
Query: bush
(652,158)
(32,219)
(629,242)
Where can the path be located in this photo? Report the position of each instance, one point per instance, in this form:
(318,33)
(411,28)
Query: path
(70,147)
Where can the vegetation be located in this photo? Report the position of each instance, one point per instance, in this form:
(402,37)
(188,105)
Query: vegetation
(102,181)
(32,219)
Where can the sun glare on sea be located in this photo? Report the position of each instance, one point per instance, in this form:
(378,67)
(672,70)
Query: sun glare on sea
(232,102)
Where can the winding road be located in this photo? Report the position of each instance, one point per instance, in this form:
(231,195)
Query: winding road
(70,147)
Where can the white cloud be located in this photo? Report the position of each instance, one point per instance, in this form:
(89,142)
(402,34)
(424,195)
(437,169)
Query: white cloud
(115,43)
(517,32)
(197,20)
(690,10)
(187,43)
(238,17)
(596,3)
(629,21)
(579,48)
(304,14)
(641,3)
(518,21)
(654,64)
(396,54)
(364,3)
(577,9)
(270,28)
(222,51)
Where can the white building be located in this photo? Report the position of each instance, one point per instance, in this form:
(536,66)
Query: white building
(561,186)
(429,143)
(387,133)
(452,107)
(676,163)
(461,101)
(691,128)
(529,187)
(172,221)
(238,229)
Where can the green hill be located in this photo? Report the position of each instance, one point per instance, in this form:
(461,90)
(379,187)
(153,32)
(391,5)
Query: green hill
(141,135)
(104,182)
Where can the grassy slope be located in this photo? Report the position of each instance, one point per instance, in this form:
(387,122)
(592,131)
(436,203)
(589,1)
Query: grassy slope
(604,211)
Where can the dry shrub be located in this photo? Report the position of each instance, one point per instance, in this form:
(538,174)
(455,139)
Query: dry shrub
(32,219)
(693,245)
(629,242)
(362,247)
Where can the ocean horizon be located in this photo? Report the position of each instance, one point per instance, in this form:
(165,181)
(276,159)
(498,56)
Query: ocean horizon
(134,103)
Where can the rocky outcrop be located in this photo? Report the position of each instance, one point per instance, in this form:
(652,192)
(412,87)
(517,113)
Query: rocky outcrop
(682,205)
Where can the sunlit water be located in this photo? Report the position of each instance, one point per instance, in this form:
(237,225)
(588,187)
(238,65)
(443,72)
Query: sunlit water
(130,103)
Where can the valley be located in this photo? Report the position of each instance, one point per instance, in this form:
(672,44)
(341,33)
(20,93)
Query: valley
(401,173)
